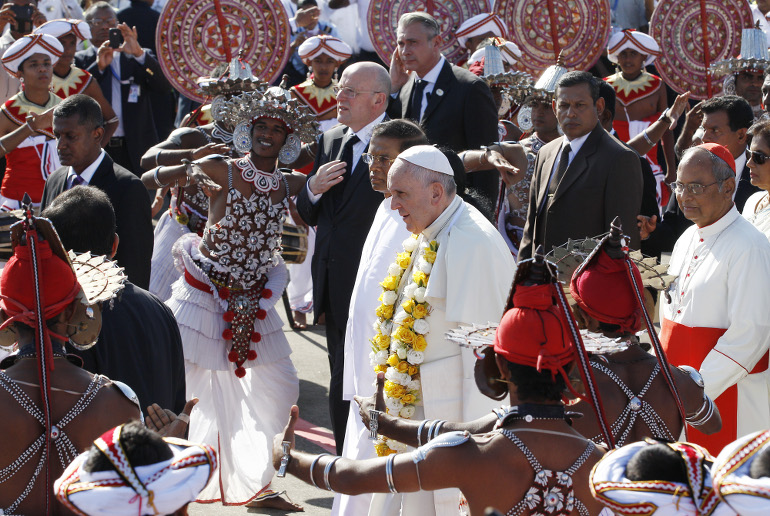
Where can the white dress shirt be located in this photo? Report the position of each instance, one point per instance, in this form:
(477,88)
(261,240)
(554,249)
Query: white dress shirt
(117,98)
(88,174)
(364,135)
(430,78)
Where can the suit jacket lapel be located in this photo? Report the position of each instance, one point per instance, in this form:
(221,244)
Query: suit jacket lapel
(579,164)
(547,166)
(443,83)
(105,173)
(359,173)
(405,95)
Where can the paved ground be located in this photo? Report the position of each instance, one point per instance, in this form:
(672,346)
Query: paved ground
(310,359)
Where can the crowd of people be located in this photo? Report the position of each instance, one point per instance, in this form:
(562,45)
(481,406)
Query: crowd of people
(542,295)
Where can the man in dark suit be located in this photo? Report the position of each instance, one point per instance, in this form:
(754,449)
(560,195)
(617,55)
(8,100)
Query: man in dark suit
(584,179)
(139,343)
(453,106)
(144,18)
(726,120)
(340,201)
(79,126)
(126,83)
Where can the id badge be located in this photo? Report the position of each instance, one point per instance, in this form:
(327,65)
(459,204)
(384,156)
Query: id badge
(133,93)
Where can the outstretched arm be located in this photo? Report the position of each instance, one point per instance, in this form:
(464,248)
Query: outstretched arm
(367,476)
(410,432)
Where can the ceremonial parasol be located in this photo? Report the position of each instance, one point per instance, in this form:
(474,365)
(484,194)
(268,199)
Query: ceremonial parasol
(579,29)
(692,35)
(194,36)
(450,14)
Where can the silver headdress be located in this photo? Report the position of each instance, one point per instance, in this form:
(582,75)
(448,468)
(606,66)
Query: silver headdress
(542,91)
(515,85)
(240,111)
(753,56)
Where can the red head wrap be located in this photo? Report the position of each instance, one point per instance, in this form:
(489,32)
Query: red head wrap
(534,333)
(602,290)
(17,292)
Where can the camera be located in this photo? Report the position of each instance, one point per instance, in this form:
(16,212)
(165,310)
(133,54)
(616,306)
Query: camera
(116,38)
(23,17)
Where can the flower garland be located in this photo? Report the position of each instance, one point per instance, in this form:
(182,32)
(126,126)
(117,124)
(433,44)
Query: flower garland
(398,345)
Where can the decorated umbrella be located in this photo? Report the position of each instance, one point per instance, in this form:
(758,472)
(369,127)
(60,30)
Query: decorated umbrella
(450,14)
(579,29)
(194,36)
(692,35)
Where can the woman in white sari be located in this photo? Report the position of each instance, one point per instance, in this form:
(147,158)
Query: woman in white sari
(757,208)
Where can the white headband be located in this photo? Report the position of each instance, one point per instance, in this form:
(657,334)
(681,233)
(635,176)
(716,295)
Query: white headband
(427,156)
(510,52)
(611,487)
(27,46)
(747,496)
(161,488)
(634,40)
(481,24)
(324,44)
(59,28)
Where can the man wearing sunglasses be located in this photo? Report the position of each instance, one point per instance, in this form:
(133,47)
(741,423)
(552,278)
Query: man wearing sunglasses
(714,315)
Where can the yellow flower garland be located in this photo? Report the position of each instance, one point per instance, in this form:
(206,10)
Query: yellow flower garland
(397,350)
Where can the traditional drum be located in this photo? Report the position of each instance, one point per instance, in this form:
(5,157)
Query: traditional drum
(293,243)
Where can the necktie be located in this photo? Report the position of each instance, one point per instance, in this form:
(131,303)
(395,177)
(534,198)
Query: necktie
(556,176)
(347,156)
(77,181)
(415,106)
(560,170)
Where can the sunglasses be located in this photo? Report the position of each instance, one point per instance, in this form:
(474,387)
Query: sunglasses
(757,157)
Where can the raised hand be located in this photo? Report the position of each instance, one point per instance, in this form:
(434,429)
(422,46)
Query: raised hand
(168,424)
(646,225)
(210,148)
(328,175)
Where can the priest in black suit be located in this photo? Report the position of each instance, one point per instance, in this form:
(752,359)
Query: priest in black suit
(453,106)
(78,126)
(126,78)
(340,201)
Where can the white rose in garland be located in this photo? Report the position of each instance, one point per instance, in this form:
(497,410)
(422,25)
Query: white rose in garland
(421,326)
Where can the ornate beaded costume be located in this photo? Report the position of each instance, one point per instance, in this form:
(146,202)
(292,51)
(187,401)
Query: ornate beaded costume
(65,449)
(636,407)
(552,492)
(244,245)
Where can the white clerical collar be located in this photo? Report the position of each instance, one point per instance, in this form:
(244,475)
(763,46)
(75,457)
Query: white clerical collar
(432,76)
(575,144)
(432,231)
(365,133)
(89,172)
(720,225)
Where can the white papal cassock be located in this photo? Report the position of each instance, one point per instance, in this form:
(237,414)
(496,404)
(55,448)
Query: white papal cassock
(717,321)
(382,244)
(469,283)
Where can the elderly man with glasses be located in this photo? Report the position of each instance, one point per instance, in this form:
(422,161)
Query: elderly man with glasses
(714,315)
(340,201)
